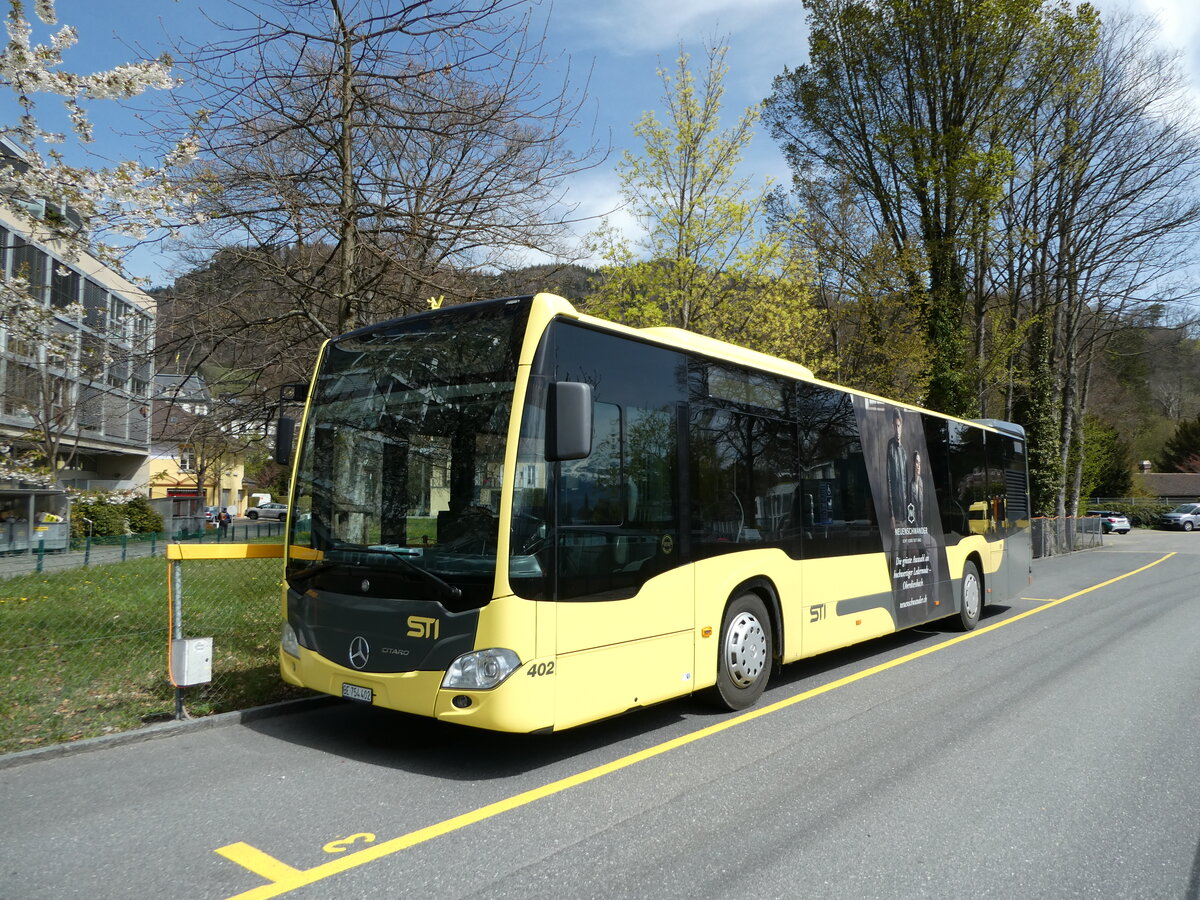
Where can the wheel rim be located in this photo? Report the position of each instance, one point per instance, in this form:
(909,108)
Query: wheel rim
(970,595)
(745,649)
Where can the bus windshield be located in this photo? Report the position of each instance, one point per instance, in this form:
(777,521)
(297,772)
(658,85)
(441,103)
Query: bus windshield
(402,457)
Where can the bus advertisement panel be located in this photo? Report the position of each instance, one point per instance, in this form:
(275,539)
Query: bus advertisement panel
(901,483)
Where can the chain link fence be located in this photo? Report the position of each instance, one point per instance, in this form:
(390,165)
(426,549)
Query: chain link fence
(84,649)
(1056,536)
(83,552)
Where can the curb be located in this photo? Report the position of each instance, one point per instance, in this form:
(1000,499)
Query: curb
(165,730)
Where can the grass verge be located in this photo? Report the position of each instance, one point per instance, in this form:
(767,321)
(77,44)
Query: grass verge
(83,652)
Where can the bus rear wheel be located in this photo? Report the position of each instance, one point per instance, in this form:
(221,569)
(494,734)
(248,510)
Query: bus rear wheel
(744,660)
(971,597)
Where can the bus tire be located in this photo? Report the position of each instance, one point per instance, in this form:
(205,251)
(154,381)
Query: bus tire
(970,597)
(744,654)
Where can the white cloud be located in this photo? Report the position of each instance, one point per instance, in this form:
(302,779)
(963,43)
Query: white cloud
(631,27)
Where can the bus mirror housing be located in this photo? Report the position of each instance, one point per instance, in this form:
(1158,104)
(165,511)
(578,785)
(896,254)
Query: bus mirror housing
(285,428)
(293,392)
(570,421)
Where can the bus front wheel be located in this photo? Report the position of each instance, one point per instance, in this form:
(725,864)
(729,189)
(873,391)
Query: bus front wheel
(744,661)
(971,597)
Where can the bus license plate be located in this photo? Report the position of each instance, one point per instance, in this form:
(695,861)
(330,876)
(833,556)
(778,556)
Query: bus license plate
(354,692)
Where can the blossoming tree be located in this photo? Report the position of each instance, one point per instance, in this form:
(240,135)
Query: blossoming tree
(70,208)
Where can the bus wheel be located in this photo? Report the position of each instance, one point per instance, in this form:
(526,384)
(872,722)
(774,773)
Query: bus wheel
(744,663)
(972,597)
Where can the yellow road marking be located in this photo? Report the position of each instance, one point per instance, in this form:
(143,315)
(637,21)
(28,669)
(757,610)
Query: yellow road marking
(258,862)
(289,879)
(342,844)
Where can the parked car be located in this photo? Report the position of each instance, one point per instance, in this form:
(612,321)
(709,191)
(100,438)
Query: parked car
(211,513)
(1111,521)
(1186,517)
(268,511)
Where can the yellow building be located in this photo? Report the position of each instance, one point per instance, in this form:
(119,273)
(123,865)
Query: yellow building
(193,453)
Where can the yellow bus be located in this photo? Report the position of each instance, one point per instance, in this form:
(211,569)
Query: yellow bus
(514,516)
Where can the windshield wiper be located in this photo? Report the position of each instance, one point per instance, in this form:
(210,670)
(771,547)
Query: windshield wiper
(311,570)
(448,590)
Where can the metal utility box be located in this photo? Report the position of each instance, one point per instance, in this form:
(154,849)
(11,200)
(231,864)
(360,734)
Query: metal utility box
(191,661)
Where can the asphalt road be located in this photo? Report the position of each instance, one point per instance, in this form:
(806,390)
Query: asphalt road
(1052,753)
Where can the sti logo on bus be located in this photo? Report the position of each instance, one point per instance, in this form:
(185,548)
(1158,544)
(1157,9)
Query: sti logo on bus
(423,627)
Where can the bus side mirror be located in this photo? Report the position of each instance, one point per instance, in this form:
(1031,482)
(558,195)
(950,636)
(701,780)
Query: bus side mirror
(569,426)
(293,392)
(285,428)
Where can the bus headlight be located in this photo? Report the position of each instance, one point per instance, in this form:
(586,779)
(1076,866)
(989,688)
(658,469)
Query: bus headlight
(481,670)
(289,642)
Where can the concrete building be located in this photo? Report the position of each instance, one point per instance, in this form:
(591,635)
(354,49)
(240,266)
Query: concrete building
(98,395)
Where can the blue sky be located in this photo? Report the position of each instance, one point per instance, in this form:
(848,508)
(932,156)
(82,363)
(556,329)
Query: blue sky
(620,41)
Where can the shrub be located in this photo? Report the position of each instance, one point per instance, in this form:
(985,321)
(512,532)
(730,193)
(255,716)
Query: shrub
(112,515)
(107,519)
(142,517)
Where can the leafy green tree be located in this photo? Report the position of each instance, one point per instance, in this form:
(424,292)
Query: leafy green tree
(111,514)
(1181,453)
(873,338)
(1107,469)
(909,101)
(704,263)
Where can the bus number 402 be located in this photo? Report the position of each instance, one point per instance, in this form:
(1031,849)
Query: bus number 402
(546,668)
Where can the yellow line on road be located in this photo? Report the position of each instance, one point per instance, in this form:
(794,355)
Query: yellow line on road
(286,878)
(258,862)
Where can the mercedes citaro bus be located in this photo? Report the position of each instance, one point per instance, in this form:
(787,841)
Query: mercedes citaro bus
(514,516)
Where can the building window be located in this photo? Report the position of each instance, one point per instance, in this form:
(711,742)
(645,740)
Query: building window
(187,459)
(95,304)
(30,263)
(64,286)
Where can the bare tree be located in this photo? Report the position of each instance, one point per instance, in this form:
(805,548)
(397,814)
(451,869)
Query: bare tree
(1105,211)
(361,157)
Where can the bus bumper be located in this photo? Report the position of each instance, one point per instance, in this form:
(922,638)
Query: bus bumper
(520,704)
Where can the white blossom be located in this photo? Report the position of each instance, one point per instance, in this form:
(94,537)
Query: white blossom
(117,204)
(45,11)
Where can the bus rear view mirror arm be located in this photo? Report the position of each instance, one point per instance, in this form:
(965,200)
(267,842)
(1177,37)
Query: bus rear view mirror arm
(569,423)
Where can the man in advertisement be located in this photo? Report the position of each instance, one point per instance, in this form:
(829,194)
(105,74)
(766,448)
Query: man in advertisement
(897,473)
(894,447)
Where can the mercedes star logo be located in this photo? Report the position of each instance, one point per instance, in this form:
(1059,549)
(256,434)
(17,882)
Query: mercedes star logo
(360,651)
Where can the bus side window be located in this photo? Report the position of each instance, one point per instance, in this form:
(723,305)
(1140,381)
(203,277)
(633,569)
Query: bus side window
(937,444)
(744,488)
(591,488)
(835,492)
(616,505)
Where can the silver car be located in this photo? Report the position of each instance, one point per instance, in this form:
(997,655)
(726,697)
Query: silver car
(268,511)
(1185,517)
(1111,521)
